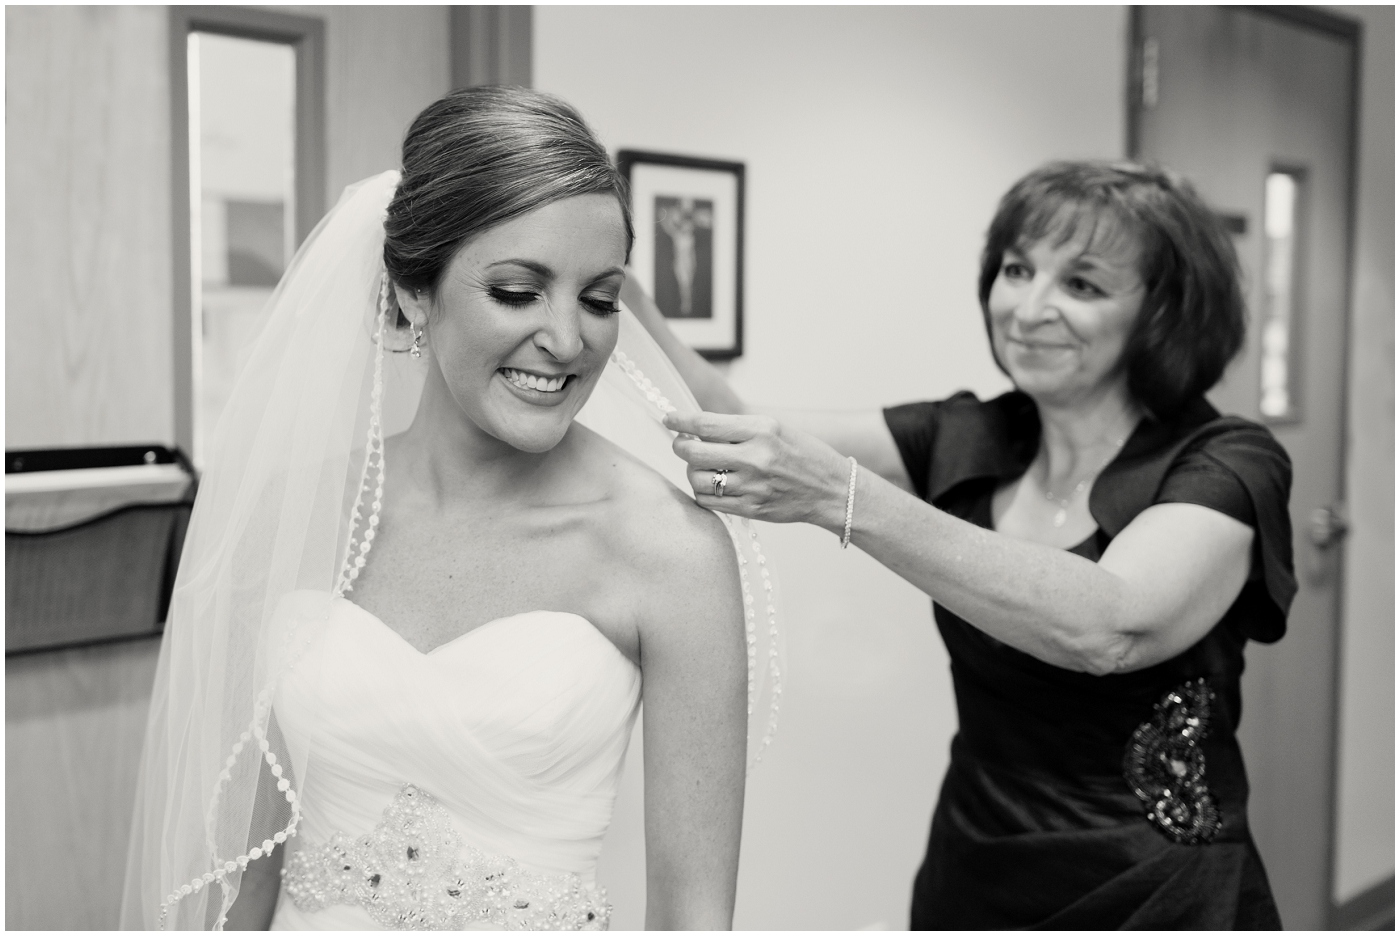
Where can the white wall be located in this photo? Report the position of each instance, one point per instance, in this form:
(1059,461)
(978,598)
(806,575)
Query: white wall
(877,141)
(1365,833)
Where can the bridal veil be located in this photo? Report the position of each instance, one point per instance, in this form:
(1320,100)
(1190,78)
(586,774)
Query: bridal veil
(295,468)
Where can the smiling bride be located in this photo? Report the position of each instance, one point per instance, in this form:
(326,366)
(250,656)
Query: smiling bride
(401,671)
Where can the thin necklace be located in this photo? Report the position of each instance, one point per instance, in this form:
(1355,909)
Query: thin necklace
(1062,514)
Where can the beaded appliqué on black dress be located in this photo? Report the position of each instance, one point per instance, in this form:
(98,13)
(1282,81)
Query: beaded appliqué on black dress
(1166,768)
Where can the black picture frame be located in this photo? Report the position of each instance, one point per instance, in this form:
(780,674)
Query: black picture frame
(688,213)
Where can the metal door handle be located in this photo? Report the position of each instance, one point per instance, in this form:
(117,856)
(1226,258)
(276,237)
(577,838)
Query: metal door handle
(1328,526)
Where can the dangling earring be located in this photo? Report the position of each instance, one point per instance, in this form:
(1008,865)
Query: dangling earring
(414,351)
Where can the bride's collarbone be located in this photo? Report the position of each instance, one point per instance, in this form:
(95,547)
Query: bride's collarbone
(593,542)
(434,578)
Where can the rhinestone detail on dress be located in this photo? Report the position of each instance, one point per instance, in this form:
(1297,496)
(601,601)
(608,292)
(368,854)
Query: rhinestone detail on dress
(1166,768)
(414,872)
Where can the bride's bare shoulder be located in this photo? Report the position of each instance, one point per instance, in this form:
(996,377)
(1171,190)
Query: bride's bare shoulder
(659,531)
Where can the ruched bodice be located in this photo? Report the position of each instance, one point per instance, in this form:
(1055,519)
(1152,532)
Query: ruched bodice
(518,729)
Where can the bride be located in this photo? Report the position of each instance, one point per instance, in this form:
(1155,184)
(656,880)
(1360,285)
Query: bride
(401,671)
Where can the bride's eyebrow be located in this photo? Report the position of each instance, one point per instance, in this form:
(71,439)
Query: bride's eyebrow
(609,272)
(531,265)
(544,272)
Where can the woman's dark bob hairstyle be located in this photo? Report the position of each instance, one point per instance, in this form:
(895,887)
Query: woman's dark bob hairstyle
(1192,320)
(482,156)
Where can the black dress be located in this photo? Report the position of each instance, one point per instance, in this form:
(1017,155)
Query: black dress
(1100,802)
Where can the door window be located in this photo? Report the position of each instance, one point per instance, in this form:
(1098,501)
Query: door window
(1277,399)
(242,132)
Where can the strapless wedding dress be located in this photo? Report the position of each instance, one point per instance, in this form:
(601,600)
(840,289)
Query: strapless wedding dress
(466,787)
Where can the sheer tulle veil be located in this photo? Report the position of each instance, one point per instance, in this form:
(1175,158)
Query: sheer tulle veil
(295,467)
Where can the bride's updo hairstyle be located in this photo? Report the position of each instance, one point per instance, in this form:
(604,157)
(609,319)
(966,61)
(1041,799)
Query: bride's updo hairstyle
(1192,321)
(482,156)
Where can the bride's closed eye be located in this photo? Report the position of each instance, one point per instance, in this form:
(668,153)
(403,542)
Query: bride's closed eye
(512,297)
(598,305)
(601,305)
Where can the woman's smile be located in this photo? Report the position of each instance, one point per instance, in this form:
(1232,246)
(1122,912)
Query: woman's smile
(538,389)
(1040,345)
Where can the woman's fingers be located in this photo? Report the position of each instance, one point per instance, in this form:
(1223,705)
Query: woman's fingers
(734,500)
(770,473)
(700,454)
(730,505)
(720,427)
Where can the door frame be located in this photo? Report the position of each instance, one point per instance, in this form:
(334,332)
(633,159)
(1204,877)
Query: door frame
(1368,904)
(307,36)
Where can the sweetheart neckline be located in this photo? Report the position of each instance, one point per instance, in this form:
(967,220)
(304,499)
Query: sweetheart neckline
(480,627)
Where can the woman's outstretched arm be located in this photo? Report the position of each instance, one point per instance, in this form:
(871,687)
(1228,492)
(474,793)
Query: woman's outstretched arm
(694,712)
(1163,582)
(859,433)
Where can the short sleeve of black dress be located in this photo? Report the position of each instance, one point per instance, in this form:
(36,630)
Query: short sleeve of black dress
(914,427)
(1237,468)
(944,441)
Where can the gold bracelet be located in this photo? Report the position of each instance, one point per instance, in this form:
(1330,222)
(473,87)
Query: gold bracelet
(850,504)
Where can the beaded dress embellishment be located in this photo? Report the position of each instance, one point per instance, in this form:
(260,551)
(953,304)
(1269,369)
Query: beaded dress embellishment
(413,872)
(1166,768)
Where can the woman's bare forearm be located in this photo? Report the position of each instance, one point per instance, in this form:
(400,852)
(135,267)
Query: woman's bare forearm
(1044,601)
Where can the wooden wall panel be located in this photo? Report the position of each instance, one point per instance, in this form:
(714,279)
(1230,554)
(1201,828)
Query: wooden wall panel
(74,725)
(88,243)
(87,227)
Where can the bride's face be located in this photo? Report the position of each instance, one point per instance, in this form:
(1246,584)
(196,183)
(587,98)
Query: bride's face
(525,317)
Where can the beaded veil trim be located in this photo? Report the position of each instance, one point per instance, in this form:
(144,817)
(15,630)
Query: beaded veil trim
(1166,768)
(413,872)
(256,732)
(736,527)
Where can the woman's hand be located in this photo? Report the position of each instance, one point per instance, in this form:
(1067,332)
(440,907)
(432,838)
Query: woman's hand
(771,473)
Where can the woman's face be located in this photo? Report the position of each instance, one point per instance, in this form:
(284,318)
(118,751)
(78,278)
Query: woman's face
(525,318)
(1061,316)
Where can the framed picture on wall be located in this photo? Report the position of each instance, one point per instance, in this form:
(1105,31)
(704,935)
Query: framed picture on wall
(689,252)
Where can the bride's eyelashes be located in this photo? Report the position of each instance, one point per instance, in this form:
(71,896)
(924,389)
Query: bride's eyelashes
(598,305)
(601,305)
(512,297)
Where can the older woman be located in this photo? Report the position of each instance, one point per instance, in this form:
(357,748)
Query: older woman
(1099,543)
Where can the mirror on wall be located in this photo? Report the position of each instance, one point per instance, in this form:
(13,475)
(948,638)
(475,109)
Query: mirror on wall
(242,135)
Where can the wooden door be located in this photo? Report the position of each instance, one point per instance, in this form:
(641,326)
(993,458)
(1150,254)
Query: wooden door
(1256,107)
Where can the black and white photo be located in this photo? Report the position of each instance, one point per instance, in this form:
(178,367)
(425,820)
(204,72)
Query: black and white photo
(690,242)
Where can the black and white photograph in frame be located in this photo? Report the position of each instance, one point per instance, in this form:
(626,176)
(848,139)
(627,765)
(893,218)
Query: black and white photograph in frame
(689,218)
